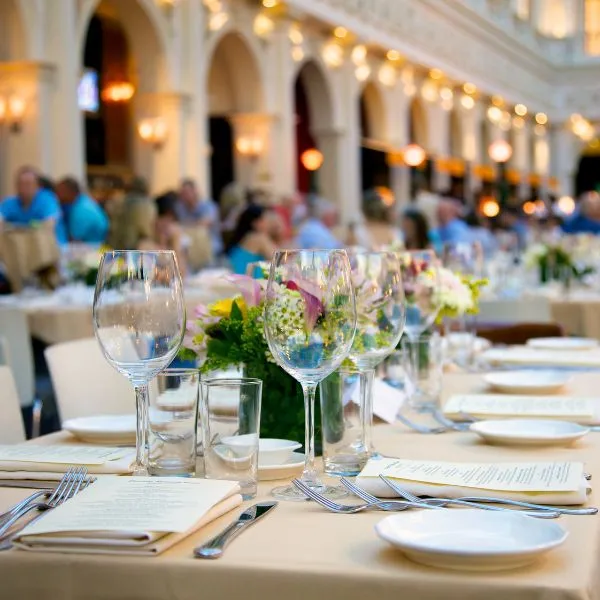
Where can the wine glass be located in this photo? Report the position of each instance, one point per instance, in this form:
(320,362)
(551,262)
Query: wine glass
(421,279)
(380,323)
(139,321)
(465,258)
(310,322)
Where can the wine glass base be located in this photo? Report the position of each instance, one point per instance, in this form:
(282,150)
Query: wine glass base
(291,493)
(140,471)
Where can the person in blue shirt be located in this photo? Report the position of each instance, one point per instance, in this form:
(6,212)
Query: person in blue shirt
(586,218)
(315,232)
(32,205)
(451,228)
(85,220)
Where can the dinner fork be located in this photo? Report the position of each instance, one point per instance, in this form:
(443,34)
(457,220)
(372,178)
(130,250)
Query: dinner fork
(68,486)
(351,509)
(17,507)
(404,493)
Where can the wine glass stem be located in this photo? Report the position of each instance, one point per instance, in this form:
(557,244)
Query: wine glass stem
(141,432)
(366,408)
(309,475)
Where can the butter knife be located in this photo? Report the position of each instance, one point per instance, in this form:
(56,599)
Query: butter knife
(215,547)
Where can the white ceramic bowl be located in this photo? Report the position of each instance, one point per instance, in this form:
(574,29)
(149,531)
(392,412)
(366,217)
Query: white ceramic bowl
(275,452)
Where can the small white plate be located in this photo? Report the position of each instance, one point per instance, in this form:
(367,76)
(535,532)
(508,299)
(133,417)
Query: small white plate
(527,382)
(291,468)
(103,429)
(529,432)
(563,343)
(470,539)
(275,452)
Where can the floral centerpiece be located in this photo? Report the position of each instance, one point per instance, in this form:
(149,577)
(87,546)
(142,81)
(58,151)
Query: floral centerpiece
(230,332)
(564,259)
(457,295)
(84,268)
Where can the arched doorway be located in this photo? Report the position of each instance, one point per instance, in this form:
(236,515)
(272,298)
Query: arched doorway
(375,171)
(588,169)
(313,112)
(122,47)
(235,105)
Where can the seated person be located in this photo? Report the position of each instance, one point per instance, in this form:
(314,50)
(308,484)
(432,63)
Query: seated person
(586,218)
(378,230)
(415,230)
(167,232)
(84,218)
(33,205)
(452,229)
(315,231)
(251,240)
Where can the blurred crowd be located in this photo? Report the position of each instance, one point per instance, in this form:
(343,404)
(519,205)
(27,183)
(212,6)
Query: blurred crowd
(245,226)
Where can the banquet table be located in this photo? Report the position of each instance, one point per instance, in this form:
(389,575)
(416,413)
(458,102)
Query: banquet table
(300,551)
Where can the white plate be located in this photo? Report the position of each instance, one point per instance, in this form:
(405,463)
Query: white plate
(103,429)
(275,452)
(291,468)
(527,382)
(529,432)
(562,343)
(470,539)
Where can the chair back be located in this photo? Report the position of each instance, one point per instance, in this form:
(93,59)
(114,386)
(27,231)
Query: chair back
(84,383)
(12,430)
(518,334)
(18,351)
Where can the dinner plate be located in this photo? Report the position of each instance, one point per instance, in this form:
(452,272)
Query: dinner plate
(470,539)
(563,343)
(291,468)
(529,432)
(103,429)
(527,382)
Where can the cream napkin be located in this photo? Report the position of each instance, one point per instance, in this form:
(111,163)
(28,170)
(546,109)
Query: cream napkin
(157,515)
(369,480)
(520,355)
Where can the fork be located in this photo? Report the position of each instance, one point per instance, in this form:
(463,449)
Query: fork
(17,507)
(420,428)
(351,509)
(404,493)
(68,486)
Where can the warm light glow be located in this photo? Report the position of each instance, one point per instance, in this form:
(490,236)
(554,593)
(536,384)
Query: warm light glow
(529,208)
(387,75)
(500,151)
(541,118)
(217,20)
(333,55)
(540,207)
(340,32)
(494,114)
(566,205)
(270,3)
(2,109)
(505,121)
(521,110)
(413,155)
(263,25)
(393,55)
(297,53)
(436,74)
(518,122)
(447,104)
(359,54)
(490,208)
(539,130)
(497,100)
(467,102)
(362,72)
(214,6)
(16,107)
(153,131)
(295,35)
(469,88)
(410,89)
(118,91)
(429,91)
(250,147)
(576,117)
(312,159)
(446,93)
(386,195)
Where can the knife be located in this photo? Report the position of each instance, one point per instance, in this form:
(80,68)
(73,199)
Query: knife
(215,547)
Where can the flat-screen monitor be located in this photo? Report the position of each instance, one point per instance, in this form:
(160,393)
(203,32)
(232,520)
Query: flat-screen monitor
(87,92)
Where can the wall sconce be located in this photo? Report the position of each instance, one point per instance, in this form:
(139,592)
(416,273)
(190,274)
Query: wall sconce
(333,55)
(263,26)
(249,147)
(12,110)
(414,155)
(312,159)
(153,132)
(118,91)
(500,151)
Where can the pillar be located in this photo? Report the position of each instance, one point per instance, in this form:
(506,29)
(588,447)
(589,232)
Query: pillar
(564,155)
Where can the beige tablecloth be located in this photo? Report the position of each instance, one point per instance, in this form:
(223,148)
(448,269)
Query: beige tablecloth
(301,552)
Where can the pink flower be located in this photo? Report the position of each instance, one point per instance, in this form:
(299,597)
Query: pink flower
(251,289)
(313,307)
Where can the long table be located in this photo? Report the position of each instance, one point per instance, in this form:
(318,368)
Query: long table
(302,552)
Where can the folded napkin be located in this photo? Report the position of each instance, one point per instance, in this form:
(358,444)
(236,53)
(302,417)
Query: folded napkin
(131,516)
(563,483)
(520,355)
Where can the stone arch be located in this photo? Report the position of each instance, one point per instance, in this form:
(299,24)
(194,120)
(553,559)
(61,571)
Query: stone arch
(319,95)
(375,113)
(13,31)
(418,130)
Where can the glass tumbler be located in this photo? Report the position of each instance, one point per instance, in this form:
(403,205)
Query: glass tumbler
(172,422)
(425,369)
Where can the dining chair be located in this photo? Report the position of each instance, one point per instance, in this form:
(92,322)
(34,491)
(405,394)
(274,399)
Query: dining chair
(84,383)
(518,334)
(12,430)
(17,354)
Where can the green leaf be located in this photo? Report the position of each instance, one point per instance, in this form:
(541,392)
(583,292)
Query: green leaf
(236,312)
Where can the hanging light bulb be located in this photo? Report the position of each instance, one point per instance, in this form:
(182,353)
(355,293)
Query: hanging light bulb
(333,55)
(359,54)
(362,72)
(467,102)
(387,75)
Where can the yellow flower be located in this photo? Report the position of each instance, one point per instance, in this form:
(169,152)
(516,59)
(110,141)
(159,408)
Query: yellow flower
(222,308)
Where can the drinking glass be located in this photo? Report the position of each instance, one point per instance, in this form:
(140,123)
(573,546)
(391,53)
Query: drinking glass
(230,422)
(466,258)
(172,422)
(139,322)
(425,369)
(310,321)
(380,312)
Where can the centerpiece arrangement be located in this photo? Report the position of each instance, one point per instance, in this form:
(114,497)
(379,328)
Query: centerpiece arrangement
(457,295)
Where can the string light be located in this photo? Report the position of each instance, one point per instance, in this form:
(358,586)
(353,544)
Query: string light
(436,74)
(393,55)
(521,110)
(340,32)
(467,102)
(469,88)
(359,54)
(541,118)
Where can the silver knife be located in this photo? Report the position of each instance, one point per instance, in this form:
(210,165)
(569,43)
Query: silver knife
(215,547)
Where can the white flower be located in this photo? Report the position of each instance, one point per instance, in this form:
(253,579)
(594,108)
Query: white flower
(453,294)
(534,254)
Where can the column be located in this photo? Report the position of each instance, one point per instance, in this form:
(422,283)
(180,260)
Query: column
(398,138)
(471,146)
(565,149)
(438,130)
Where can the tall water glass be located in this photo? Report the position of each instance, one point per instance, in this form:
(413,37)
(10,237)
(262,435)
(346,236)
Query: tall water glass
(380,313)
(425,372)
(310,321)
(139,321)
